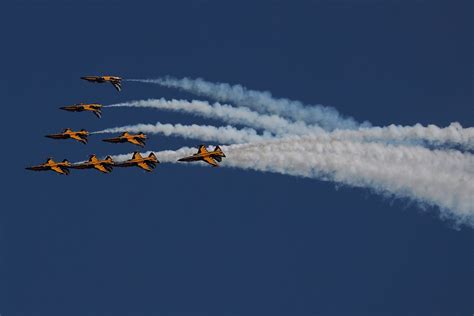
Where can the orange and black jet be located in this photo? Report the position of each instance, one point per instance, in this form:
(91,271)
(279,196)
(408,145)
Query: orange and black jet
(80,107)
(146,163)
(126,137)
(115,81)
(211,157)
(104,165)
(80,136)
(50,164)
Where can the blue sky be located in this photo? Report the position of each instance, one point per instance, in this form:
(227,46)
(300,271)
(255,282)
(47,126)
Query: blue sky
(199,241)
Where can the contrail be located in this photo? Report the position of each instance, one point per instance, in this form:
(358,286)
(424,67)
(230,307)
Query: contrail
(452,135)
(224,134)
(442,178)
(262,102)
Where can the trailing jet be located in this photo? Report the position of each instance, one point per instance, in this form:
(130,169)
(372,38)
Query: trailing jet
(115,81)
(211,157)
(80,136)
(80,107)
(104,165)
(146,163)
(126,137)
(50,164)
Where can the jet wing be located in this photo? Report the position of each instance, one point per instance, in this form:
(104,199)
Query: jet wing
(144,166)
(137,155)
(79,138)
(60,170)
(101,168)
(97,113)
(202,149)
(210,161)
(136,142)
(117,85)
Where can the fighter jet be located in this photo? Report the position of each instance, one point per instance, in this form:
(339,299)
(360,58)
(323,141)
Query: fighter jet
(146,163)
(115,81)
(80,107)
(104,165)
(211,157)
(50,164)
(137,139)
(80,136)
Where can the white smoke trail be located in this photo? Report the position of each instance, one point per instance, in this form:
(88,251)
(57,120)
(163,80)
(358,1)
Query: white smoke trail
(224,134)
(262,102)
(431,177)
(345,153)
(227,113)
(452,135)
(165,156)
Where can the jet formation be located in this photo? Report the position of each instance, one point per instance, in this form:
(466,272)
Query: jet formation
(106,165)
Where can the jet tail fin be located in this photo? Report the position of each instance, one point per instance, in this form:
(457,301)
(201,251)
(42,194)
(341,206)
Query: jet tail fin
(219,151)
(153,156)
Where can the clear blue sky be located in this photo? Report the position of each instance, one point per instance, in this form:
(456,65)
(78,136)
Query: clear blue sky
(199,241)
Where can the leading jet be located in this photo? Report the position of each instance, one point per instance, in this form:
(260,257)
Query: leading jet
(211,157)
(80,136)
(126,137)
(114,80)
(50,164)
(80,107)
(146,163)
(104,166)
